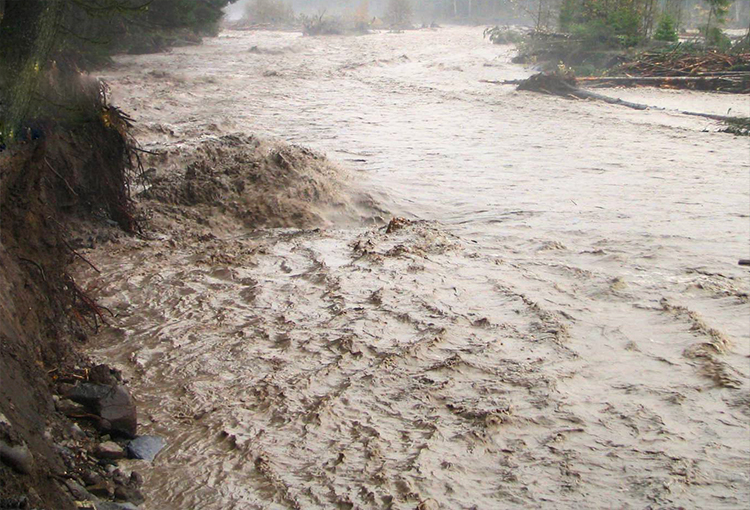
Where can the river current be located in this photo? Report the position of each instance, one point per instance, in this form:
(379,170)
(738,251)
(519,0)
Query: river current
(564,325)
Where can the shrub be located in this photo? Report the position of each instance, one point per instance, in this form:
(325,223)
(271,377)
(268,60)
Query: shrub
(620,23)
(321,25)
(716,38)
(666,30)
(503,35)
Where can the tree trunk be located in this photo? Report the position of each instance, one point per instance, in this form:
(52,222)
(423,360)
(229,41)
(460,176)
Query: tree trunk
(28,33)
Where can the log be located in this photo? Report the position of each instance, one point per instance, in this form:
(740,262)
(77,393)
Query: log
(728,82)
(565,86)
(555,84)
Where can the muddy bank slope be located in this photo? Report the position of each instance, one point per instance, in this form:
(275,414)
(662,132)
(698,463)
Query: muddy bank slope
(56,196)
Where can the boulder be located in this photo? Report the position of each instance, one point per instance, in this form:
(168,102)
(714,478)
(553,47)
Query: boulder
(108,505)
(102,490)
(112,403)
(110,450)
(78,492)
(70,408)
(18,457)
(146,447)
(131,494)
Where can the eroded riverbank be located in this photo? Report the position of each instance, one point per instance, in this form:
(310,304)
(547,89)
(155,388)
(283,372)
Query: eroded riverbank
(568,329)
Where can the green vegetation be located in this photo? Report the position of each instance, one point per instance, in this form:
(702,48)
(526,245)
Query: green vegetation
(666,30)
(597,35)
(607,23)
(505,35)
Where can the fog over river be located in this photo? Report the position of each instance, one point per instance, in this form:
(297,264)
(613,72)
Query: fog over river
(567,328)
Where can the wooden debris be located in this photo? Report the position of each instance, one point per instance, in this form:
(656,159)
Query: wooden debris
(712,70)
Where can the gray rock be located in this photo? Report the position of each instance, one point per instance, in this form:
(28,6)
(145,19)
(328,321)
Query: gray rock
(146,447)
(92,478)
(112,403)
(102,490)
(119,477)
(131,494)
(22,502)
(78,492)
(65,453)
(110,450)
(18,457)
(76,432)
(108,505)
(136,480)
(102,374)
(88,394)
(69,408)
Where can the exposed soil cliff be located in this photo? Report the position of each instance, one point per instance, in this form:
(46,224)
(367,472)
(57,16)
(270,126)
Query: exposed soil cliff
(57,193)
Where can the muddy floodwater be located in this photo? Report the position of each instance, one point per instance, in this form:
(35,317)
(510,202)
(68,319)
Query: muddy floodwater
(564,324)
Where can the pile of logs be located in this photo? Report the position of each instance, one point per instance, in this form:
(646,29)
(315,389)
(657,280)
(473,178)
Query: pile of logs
(685,64)
(706,71)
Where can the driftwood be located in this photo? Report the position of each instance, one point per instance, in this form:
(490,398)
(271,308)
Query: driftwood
(566,86)
(737,81)
(677,63)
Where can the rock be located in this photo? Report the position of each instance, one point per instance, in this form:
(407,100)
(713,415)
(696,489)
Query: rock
(136,480)
(146,447)
(22,502)
(110,450)
(428,504)
(108,505)
(70,408)
(102,374)
(131,494)
(119,477)
(108,464)
(76,432)
(112,403)
(78,492)
(18,457)
(88,394)
(65,454)
(102,490)
(91,478)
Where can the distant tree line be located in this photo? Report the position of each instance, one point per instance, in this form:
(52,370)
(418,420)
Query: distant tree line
(684,12)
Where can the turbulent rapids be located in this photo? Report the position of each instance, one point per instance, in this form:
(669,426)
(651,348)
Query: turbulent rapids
(556,319)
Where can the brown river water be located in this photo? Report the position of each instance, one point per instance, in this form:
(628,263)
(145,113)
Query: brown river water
(567,328)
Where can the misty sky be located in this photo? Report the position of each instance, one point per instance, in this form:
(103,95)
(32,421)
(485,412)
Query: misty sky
(333,6)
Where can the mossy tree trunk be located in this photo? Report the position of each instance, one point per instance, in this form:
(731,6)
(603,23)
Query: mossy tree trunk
(27,35)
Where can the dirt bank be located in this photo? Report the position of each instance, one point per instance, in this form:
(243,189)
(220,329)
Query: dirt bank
(57,195)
